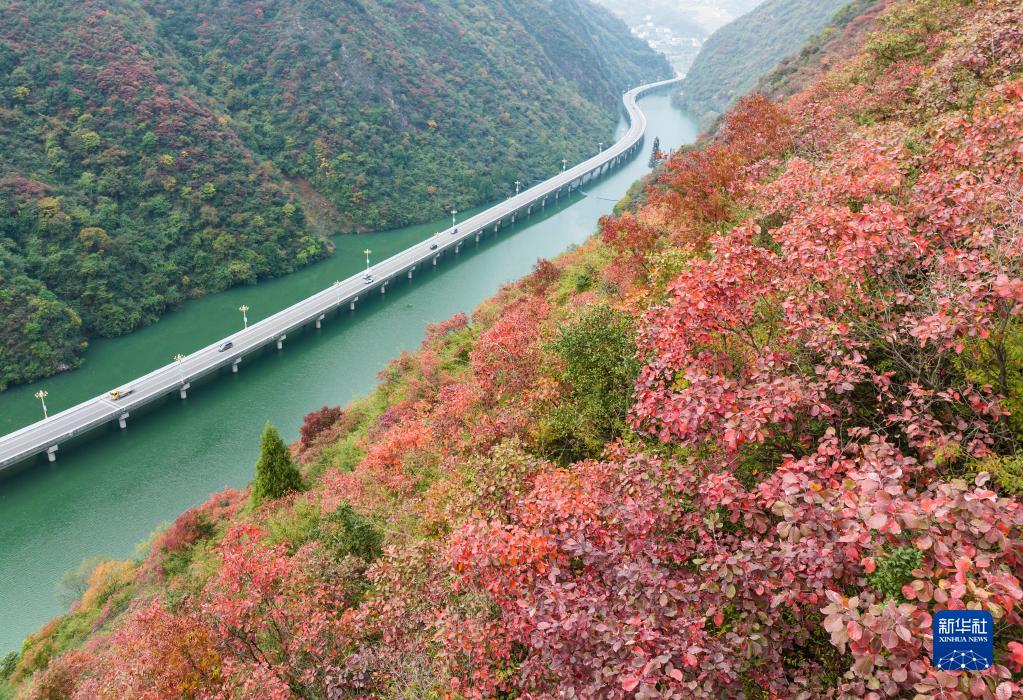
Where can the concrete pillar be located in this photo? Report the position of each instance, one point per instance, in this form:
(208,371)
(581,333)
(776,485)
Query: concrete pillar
(477,236)
(319,321)
(280,342)
(410,273)
(513,218)
(458,247)
(51,453)
(351,306)
(435,260)
(122,420)
(183,390)
(543,204)
(234,365)
(383,288)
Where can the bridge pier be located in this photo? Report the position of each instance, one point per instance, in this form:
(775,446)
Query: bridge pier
(51,453)
(477,236)
(122,420)
(183,390)
(513,218)
(410,272)
(383,288)
(319,321)
(280,342)
(458,248)
(234,366)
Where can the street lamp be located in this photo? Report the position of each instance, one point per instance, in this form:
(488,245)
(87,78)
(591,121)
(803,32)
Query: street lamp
(600,147)
(366,253)
(564,164)
(337,290)
(454,212)
(518,185)
(181,375)
(41,395)
(245,317)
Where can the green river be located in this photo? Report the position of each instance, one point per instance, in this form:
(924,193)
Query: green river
(112,488)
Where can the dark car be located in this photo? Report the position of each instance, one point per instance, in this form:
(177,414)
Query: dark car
(433,246)
(454,232)
(225,346)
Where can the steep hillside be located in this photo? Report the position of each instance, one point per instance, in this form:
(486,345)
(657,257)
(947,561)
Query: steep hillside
(154,151)
(735,56)
(397,111)
(837,42)
(745,443)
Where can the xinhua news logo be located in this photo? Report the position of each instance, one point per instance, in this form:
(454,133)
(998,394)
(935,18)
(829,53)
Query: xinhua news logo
(964,640)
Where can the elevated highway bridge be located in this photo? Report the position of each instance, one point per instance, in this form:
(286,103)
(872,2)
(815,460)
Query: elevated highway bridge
(45,436)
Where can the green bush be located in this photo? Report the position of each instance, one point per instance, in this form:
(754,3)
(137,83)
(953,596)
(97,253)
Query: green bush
(894,569)
(8,664)
(600,366)
(347,533)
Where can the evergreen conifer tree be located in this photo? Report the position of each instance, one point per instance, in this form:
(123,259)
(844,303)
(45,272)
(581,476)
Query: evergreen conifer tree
(276,475)
(655,152)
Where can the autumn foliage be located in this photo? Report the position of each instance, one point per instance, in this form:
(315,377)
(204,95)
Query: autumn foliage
(819,450)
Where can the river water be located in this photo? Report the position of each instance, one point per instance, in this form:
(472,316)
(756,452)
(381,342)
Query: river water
(113,488)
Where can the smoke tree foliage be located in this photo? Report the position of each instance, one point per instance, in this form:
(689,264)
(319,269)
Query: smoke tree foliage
(797,444)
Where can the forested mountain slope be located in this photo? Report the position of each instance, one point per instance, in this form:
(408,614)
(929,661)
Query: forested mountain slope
(737,55)
(745,443)
(837,42)
(153,151)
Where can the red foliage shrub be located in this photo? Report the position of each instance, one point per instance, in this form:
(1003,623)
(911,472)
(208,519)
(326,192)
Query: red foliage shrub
(544,275)
(442,328)
(316,422)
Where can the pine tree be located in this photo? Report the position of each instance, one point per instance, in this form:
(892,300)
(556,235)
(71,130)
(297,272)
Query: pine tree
(276,475)
(655,154)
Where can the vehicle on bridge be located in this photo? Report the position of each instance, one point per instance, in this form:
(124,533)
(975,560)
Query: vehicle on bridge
(121,393)
(225,346)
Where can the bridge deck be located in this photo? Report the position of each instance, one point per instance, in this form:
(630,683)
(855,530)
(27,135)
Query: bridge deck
(45,435)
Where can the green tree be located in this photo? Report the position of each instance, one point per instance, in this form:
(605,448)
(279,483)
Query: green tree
(655,152)
(276,474)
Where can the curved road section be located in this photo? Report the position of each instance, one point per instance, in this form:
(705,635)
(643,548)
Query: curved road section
(45,436)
